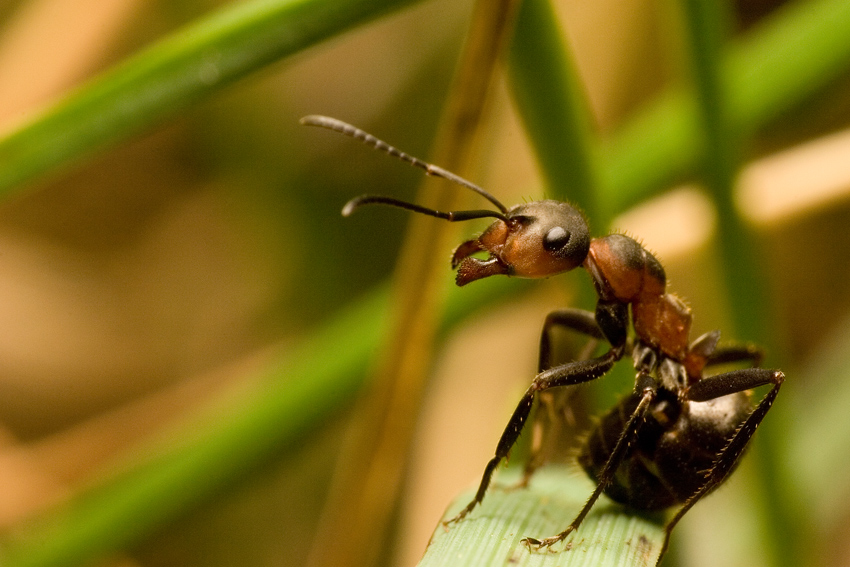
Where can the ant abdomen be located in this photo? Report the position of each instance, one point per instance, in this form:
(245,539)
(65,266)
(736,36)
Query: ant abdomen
(677,443)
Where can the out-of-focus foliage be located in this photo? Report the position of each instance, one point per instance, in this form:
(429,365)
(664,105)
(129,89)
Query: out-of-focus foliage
(158,271)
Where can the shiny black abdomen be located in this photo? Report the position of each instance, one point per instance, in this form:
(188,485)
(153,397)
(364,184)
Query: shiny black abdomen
(667,463)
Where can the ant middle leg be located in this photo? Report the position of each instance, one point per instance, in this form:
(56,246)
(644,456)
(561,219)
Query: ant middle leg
(646,387)
(564,375)
(578,320)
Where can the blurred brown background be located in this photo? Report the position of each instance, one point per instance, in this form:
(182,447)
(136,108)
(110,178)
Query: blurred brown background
(160,275)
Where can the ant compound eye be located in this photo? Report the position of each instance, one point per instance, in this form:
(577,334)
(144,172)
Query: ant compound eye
(556,239)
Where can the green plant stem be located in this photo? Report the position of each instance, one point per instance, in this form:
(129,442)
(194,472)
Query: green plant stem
(785,59)
(369,475)
(551,101)
(171,75)
(707,26)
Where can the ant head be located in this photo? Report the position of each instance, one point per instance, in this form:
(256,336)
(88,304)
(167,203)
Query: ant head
(534,240)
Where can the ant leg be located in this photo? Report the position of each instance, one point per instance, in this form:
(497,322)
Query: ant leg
(546,425)
(733,382)
(737,353)
(715,387)
(551,405)
(646,387)
(565,375)
(578,320)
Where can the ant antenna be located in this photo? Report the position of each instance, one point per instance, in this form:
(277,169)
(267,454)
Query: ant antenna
(430,169)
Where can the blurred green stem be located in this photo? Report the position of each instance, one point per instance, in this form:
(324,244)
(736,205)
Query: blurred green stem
(786,58)
(551,101)
(708,25)
(369,474)
(171,75)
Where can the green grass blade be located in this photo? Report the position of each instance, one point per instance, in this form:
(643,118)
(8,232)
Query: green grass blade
(818,439)
(171,75)
(789,56)
(550,99)
(707,26)
(491,535)
(721,138)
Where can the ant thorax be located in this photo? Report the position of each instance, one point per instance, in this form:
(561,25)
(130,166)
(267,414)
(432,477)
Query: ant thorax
(626,272)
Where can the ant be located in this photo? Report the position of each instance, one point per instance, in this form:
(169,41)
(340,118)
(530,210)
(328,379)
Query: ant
(679,434)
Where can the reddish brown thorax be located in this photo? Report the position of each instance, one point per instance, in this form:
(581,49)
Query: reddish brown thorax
(625,271)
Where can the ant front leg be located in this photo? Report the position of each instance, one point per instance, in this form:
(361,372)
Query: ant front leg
(553,405)
(715,387)
(565,375)
(578,320)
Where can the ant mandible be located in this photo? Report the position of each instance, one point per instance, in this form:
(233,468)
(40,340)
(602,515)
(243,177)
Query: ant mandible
(679,434)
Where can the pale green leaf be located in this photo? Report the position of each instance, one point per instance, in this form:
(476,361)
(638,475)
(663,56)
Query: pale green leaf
(492,534)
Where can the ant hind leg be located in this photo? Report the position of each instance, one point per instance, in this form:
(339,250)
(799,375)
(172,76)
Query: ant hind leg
(715,387)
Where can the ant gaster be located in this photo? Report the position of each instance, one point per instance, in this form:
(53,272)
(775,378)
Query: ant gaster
(679,434)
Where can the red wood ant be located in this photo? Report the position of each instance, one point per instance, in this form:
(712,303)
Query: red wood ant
(679,434)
